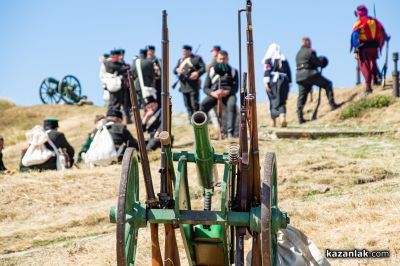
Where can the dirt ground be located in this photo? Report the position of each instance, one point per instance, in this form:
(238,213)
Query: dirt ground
(343,193)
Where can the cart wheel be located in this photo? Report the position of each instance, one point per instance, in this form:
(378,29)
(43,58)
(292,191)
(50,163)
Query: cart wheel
(269,242)
(48,92)
(127,228)
(70,89)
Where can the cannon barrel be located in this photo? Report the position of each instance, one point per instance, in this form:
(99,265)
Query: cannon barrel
(204,152)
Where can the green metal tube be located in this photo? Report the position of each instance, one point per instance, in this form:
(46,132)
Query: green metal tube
(142,215)
(204,153)
(52,80)
(167,216)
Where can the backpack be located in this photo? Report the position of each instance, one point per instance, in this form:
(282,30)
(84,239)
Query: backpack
(37,152)
(368,30)
(113,82)
(102,149)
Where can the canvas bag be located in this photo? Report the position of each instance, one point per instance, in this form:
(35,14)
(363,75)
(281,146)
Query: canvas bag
(296,249)
(113,82)
(102,148)
(146,91)
(37,152)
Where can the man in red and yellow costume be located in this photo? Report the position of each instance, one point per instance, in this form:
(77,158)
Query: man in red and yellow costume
(367,39)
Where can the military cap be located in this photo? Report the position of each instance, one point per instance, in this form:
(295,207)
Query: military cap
(121,51)
(143,52)
(150,47)
(115,52)
(106,55)
(187,47)
(50,123)
(216,48)
(114,112)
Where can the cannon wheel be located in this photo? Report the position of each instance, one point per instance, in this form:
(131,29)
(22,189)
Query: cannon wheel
(127,233)
(70,89)
(48,92)
(269,242)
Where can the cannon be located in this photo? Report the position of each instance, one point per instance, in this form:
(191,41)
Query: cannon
(52,91)
(208,235)
(246,206)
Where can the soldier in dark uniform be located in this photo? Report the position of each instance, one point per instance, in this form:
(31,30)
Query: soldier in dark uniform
(61,143)
(151,119)
(214,52)
(222,80)
(157,70)
(190,68)
(148,92)
(307,75)
(126,103)
(115,66)
(119,133)
(2,167)
(147,95)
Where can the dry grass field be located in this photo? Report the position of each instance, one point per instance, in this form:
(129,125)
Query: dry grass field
(342,192)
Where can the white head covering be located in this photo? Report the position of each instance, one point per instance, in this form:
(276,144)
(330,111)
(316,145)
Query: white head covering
(273,53)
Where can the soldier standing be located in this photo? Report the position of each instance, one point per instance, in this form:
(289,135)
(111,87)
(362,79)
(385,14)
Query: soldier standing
(143,68)
(115,66)
(157,70)
(367,37)
(126,103)
(190,68)
(222,81)
(307,75)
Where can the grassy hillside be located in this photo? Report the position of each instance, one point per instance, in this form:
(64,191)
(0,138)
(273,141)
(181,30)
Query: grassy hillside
(341,192)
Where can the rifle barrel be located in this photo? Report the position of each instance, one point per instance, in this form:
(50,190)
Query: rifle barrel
(151,198)
(166,186)
(254,161)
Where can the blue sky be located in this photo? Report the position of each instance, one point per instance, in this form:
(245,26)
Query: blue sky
(45,38)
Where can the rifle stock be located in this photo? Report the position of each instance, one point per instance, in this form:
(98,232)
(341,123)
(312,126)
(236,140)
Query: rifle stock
(151,198)
(219,111)
(152,201)
(254,161)
(242,185)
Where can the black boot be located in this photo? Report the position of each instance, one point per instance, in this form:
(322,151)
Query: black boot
(331,99)
(335,106)
(300,117)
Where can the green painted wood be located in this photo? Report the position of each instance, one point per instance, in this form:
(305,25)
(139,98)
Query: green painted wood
(182,201)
